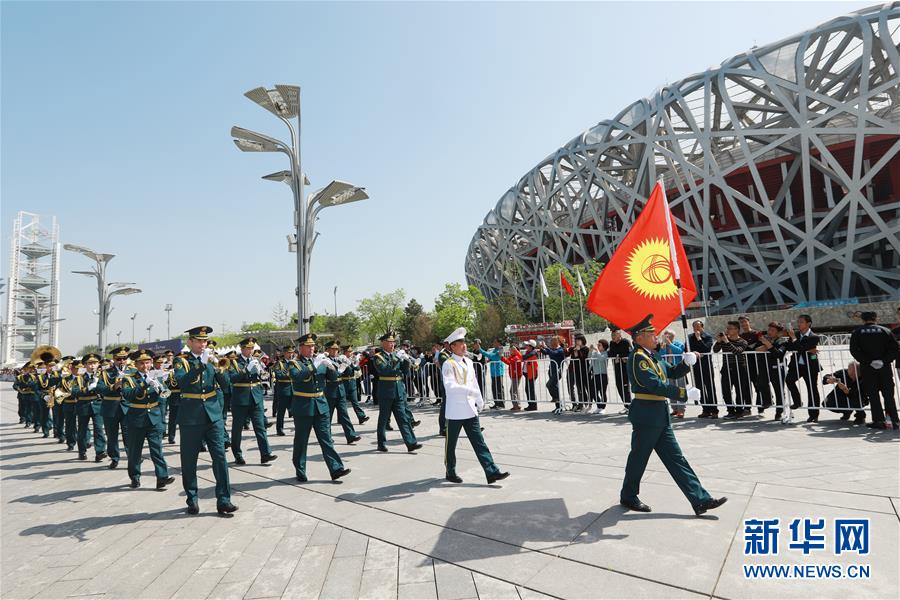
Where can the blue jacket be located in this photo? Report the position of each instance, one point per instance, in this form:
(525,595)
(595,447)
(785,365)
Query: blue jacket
(497,365)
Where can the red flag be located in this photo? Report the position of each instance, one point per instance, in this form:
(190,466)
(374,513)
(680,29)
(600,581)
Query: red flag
(565,283)
(640,279)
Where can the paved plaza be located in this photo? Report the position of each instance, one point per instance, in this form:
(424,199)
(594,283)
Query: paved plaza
(394,529)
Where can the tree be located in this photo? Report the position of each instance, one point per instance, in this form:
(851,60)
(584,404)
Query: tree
(412,310)
(490,324)
(422,333)
(259,326)
(280,315)
(510,310)
(554,308)
(89,349)
(344,328)
(456,307)
(380,313)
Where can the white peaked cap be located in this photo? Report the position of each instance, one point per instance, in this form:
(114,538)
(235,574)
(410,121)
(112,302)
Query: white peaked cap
(458,334)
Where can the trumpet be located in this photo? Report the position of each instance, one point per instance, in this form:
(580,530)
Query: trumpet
(160,377)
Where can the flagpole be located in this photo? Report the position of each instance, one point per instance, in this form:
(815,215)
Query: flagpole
(562,304)
(580,303)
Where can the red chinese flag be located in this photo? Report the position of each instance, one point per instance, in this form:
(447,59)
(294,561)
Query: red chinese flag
(565,283)
(639,279)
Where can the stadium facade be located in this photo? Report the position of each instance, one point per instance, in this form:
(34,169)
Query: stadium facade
(782,169)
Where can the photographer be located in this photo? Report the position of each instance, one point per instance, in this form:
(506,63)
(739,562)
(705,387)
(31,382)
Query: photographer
(702,342)
(734,371)
(772,373)
(619,350)
(804,365)
(846,395)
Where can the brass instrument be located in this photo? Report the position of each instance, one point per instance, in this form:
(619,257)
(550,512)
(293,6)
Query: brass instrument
(47,353)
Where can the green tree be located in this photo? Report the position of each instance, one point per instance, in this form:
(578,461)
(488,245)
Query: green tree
(344,328)
(380,313)
(554,308)
(510,310)
(413,309)
(490,324)
(259,326)
(422,333)
(457,306)
(89,349)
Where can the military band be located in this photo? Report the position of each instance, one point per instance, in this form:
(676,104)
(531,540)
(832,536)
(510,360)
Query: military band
(244,374)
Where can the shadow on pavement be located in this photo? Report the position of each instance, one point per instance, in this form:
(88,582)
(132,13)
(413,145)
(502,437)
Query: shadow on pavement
(78,528)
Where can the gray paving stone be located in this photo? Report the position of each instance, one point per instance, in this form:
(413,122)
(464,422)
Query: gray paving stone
(343,578)
(489,588)
(309,575)
(381,555)
(415,567)
(325,534)
(453,583)
(276,574)
(201,584)
(417,591)
(351,544)
(378,584)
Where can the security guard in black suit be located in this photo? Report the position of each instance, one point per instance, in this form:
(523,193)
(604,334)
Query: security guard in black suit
(875,348)
(651,423)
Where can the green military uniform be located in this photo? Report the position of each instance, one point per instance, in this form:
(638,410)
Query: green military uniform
(310,411)
(334,392)
(649,415)
(174,402)
(69,413)
(391,370)
(199,421)
(224,391)
(443,355)
(40,386)
(112,410)
(283,392)
(25,396)
(144,420)
(247,401)
(87,408)
(351,388)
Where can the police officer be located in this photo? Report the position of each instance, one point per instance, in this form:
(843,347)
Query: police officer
(144,419)
(200,420)
(310,410)
(112,411)
(247,401)
(391,369)
(651,422)
(464,401)
(875,348)
(335,375)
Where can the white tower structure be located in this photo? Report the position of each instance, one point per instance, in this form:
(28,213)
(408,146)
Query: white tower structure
(32,302)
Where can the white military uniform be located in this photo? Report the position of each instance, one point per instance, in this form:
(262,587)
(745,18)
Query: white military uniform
(464,401)
(463,396)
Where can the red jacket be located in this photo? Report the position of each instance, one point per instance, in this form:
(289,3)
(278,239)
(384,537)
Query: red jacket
(515,363)
(531,364)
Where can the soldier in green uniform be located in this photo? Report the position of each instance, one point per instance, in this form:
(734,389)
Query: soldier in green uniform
(336,368)
(159,361)
(84,390)
(283,391)
(247,401)
(351,389)
(69,405)
(63,375)
(144,419)
(391,369)
(113,412)
(174,401)
(25,395)
(649,415)
(199,420)
(45,378)
(310,410)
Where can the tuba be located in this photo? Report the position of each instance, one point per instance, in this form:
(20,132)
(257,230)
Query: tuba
(46,353)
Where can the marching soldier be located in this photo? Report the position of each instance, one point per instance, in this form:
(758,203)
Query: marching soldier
(464,401)
(23,386)
(283,392)
(44,379)
(69,408)
(113,412)
(310,410)
(225,391)
(391,369)
(875,348)
(335,375)
(199,420)
(351,389)
(59,415)
(174,400)
(159,362)
(84,390)
(652,424)
(247,401)
(144,419)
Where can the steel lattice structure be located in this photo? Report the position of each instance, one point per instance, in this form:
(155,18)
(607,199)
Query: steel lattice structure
(781,168)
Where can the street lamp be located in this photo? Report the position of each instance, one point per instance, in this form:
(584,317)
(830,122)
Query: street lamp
(168,310)
(105,291)
(133,317)
(284,102)
(149,329)
(119,338)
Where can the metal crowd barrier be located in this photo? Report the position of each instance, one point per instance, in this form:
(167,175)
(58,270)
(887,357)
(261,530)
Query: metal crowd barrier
(747,381)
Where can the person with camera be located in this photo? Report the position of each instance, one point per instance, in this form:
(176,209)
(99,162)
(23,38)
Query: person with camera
(847,396)
(701,342)
(875,348)
(619,350)
(772,374)
(734,375)
(756,364)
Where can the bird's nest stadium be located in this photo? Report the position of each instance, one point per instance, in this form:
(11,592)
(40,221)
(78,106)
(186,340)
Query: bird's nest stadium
(781,168)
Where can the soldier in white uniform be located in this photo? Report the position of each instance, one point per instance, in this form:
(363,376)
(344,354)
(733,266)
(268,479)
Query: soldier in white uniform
(464,401)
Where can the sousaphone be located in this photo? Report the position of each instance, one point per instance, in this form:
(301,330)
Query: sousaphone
(46,353)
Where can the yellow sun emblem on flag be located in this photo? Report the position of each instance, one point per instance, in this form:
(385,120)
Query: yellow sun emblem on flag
(649,270)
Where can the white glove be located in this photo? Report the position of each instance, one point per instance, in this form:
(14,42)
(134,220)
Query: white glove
(82,370)
(693,394)
(876,364)
(254,366)
(204,356)
(46,398)
(690,359)
(356,360)
(92,385)
(155,384)
(317,360)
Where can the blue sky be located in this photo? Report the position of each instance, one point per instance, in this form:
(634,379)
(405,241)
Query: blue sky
(115,118)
